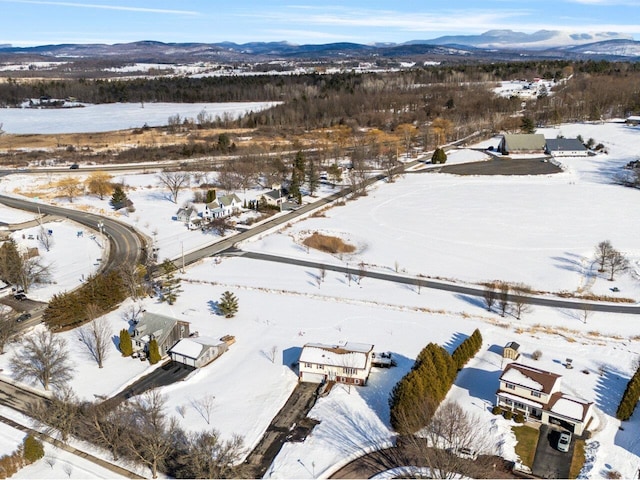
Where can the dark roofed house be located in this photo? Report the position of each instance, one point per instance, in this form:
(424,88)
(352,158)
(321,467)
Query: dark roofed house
(167,331)
(536,394)
(566,147)
(522,143)
(511,351)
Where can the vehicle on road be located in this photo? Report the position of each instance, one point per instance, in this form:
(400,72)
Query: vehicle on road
(564,442)
(74,166)
(23,317)
(20,296)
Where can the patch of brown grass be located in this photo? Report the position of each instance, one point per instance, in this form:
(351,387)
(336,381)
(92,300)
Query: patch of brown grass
(328,244)
(578,459)
(527,438)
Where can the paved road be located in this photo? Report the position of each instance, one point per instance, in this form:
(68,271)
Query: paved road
(439,285)
(125,244)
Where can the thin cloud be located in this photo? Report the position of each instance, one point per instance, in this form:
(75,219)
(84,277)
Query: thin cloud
(104,7)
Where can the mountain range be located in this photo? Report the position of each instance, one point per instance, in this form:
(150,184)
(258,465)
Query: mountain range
(493,45)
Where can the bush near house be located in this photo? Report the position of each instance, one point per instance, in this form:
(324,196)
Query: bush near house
(154,352)
(32,449)
(630,398)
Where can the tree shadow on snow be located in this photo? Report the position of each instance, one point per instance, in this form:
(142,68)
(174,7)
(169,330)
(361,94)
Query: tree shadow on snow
(481,384)
(609,389)
(571,262)
(455,342)
(214,307)
(471,300)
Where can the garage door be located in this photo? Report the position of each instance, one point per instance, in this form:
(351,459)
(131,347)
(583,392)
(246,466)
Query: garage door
(563,423)
(312,377)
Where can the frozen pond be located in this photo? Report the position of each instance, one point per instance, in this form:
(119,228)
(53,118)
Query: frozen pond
(114,116)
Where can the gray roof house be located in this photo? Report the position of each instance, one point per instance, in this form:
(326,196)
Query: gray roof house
(522,143)
(167,331)
(186,214)
(222,206)
(566,147)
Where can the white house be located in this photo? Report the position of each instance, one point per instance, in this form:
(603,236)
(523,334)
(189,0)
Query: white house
(167,331)
(536,393)
(189,216)
(197,351)
(566,147)
(347,363)
(222,206)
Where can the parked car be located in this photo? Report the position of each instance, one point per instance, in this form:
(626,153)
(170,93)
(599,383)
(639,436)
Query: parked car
(23,317)
(564,441)
(20,296)
(74,166)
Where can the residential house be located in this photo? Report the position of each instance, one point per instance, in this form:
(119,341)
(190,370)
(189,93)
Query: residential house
(511,351)
(273,197)
(167,331)
(187,215)
(566,147)
(536,393)
(222,206)
(197,351)
(347,363)
(522,143)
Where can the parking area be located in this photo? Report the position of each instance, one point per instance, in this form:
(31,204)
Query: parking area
(549,462)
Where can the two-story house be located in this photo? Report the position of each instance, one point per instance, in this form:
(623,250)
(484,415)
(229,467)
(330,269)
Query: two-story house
(537,394)
(167,331)
(222,206)
(347,363)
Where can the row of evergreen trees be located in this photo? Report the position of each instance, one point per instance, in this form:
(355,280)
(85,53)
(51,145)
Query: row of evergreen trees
(630,397)
(69,309)
(416,396)
(467,349)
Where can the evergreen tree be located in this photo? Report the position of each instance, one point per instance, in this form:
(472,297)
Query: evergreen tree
(126,347)
(297,176)
(228,304)
(154,352)
(119,199)
(171,284)
(439,156)
(527,125)
(211,196)
(32,449)
(313,179)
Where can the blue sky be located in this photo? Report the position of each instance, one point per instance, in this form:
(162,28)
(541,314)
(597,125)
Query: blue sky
(40,22)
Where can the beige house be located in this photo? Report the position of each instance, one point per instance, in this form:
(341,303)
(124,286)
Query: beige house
(347,363)
(536,393)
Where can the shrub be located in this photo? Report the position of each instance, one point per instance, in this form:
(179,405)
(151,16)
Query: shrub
(33,449)
(329,244)
(519,417)
(154,352)
(496,410)
(126,348)
(537,355)
(507,414)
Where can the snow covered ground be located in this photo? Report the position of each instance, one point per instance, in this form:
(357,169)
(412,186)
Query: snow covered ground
(540,230)
(114,116)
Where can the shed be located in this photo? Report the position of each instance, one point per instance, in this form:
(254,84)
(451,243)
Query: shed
(566,147)
(522,143)
(511,351)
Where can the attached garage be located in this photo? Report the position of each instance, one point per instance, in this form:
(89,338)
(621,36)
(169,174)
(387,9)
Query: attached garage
(312,377)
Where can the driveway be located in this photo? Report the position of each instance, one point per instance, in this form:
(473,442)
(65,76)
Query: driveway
(549,462)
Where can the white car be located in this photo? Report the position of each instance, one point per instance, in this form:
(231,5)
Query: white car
(564,441)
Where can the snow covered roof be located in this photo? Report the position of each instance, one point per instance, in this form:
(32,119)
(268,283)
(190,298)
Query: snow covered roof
(570,407)
(529,377)
(193,347)
(348,355)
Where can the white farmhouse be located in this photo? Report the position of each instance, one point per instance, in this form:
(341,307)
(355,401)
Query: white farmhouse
(347,363)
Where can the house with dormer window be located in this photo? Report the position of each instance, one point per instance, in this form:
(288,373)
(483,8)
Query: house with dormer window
(537,394)
(345,363)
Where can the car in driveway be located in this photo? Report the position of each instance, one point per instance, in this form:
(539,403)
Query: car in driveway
(564,442)
(20,296)
(23,317)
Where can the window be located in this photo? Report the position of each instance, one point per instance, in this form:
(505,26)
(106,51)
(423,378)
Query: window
(510,386)
(535,393)
(349,371)
(307,365)
(320,367)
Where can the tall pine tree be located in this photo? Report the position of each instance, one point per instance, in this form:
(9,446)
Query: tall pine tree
(228,304)
(126,347)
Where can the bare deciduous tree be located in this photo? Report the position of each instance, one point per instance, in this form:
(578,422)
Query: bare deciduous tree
(519,299)
(42,358)
(46,240)
(603,250)
(96,335)
(174,181)
(490,295)
(503,297)
(108,427)
(8,328)
(152,441)
(68,469)
(204,406)
(616,263)
(133,278)
(272,353)
(208,456)
(59,415)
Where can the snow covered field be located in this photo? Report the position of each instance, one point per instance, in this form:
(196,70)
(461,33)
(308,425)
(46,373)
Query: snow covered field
(114,116)
(539,230)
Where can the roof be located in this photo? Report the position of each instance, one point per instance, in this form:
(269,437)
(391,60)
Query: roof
(633,118)
(227,200)
(155,324)
(273,194)
(524,141)
(188,211)
(512,345)
(569,407)
(565,144)
(530,377)
(194,347)
(350,354)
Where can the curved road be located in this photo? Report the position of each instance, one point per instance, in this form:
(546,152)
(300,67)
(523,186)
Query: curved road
(125,244)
